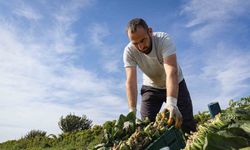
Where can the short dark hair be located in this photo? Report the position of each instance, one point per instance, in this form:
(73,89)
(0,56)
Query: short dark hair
(135,23)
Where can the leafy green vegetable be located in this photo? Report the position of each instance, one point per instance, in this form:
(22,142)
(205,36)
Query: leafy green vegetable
(228,130)
(214,141)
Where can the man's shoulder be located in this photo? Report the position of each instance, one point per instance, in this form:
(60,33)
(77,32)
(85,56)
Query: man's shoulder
(130,51)
(129,47)
(160,34)
(161,37)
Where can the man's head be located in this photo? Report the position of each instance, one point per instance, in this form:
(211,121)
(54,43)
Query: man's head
(140,35)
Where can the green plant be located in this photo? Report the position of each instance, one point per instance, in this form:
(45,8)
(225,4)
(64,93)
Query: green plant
(74,123)
(228,130)
(202,117)
(129,132)
(34,133)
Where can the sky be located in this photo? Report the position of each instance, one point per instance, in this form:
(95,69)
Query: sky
(60,57)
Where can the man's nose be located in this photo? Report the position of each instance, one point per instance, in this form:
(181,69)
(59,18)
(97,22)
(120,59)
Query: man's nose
(140,46)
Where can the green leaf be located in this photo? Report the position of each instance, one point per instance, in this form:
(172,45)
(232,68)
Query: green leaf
(146,121)
(214,141)
(138,122)
(246,127)
(118,132)
(108,125)
(119,123)
(129,127)
(131,116)
(234,131)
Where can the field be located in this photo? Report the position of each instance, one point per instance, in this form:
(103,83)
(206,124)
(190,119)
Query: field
(228,130)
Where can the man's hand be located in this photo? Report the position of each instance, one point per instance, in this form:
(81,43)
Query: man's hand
(171,106)
(132,109)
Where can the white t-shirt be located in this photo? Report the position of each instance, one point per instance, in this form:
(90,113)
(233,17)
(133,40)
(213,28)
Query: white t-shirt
(152,64)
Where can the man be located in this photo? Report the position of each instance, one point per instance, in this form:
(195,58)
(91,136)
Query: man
(155,54)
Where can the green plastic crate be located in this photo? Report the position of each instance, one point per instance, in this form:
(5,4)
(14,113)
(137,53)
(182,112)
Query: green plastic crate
(172,138)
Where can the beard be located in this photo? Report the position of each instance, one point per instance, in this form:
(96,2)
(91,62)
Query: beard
(148,49)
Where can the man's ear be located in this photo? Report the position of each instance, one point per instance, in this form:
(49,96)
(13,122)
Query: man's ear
(150,31)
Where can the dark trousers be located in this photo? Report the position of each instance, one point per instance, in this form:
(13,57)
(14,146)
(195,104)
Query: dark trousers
(153,98)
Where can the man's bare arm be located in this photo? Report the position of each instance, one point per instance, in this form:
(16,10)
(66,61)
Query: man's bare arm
(131,87)
(170,65)
(172,87)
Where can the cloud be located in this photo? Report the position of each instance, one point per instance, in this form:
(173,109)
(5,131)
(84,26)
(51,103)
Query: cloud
(230,70)
(112,66)
(110,53)
(66,15)
(208,19)
(216,63)
(202,11)
(218,76)
(27,12)
(66,11)
(20,119)
(40,81)
(49,76)
(98,33)
(60,33)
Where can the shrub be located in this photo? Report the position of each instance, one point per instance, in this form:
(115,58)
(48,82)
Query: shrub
(34,133)
(74,123)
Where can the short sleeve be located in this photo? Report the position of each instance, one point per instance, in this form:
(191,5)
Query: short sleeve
(168,47)
(128,58)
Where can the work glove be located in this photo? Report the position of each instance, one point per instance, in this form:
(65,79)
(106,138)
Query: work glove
(174,113)
(133,109)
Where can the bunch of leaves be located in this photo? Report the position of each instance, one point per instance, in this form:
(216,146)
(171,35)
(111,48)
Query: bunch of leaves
(115,131)
(228,130)
(129,132)
(202,117)
(35,133)
(74,123)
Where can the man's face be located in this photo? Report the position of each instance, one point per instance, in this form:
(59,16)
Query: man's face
(141,39)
